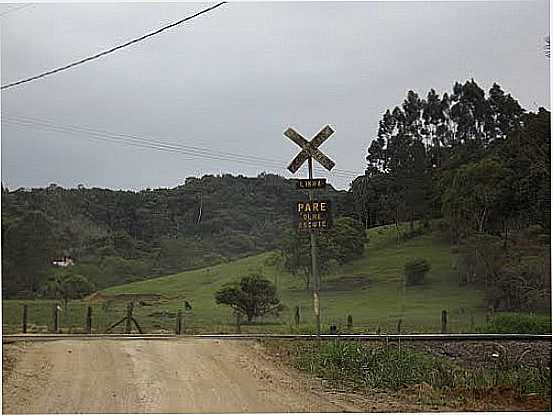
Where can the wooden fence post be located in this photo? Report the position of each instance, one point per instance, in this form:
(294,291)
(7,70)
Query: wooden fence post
(24,318)
(297,316)
(178,328)
(128,327)
(444,321)
(238,318)
(56,318)
(489,314)
(399,326)
(89,320)
(350,322)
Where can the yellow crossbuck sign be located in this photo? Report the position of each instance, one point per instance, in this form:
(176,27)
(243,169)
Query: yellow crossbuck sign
(310,148)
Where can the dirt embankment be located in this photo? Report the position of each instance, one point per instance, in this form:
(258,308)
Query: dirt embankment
(189,375)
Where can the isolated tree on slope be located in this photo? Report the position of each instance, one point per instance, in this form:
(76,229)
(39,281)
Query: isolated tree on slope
(68,286)
(253,297)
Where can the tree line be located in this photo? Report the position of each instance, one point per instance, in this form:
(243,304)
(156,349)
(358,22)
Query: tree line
(117,237)
(480,163)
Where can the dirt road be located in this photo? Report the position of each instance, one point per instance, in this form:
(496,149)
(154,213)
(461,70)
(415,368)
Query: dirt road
(146,376)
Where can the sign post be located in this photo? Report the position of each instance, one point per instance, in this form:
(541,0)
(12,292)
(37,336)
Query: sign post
(309,152)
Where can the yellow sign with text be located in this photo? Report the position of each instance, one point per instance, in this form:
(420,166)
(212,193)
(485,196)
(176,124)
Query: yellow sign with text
(313,214)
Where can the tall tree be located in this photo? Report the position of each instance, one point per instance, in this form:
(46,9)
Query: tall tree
(473,193)
(400,152)
(340,244)
(29,245)
(505,114)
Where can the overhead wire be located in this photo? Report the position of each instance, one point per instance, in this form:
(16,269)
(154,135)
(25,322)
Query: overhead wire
(188,149)
(32,120)
(117,139)
(18,124)
(111,50)
(165,148)
(149,143)
(15,9)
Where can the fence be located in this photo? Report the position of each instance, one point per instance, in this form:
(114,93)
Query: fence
(82,318)
(79,317)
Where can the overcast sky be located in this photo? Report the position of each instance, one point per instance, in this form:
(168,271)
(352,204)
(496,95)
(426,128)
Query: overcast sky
(233,80)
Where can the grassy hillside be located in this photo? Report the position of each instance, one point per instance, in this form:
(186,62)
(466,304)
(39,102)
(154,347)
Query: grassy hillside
(369,289)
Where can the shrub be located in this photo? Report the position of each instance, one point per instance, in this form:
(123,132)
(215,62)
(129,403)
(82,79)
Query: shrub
(410,234)
(519,323)
(533,231)
(522,286)
(416,270)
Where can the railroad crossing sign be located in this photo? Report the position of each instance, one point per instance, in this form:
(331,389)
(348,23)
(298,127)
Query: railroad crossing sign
(313,214)
(310,148)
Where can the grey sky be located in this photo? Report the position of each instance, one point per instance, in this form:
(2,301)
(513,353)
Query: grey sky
(235,79)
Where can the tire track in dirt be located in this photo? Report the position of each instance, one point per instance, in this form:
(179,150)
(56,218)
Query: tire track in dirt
(141,376)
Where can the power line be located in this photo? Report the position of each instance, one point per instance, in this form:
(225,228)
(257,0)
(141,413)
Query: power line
(201,152)
(149,145)
(15,9)
(106,52)
(141,142)
(198,152)
(17,124)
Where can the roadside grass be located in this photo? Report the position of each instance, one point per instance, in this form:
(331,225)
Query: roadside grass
(370,289)
(396,367)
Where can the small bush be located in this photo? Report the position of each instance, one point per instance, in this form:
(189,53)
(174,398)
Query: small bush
(533,231)
(410,234)
(519,323)
(442,227)
(416,270)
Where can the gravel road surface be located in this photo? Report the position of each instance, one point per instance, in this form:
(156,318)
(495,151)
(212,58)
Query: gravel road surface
(152,376)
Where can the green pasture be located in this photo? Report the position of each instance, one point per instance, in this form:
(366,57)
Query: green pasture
(370,289)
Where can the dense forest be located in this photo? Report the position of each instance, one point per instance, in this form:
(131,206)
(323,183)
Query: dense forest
(120,236)
(472,165)
(481,164)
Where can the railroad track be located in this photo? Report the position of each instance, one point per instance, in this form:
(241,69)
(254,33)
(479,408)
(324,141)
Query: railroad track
(10,338)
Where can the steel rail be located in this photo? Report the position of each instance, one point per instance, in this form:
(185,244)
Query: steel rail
(360,337)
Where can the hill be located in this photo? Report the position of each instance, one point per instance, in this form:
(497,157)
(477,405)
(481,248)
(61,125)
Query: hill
(120,236)
(368,288)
